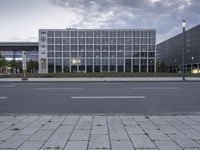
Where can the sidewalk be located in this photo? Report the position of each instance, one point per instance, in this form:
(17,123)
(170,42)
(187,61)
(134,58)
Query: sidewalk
(100,132)
(102,79)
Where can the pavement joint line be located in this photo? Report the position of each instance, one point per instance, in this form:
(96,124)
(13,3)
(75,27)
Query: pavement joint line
(109,97)
(156,88)
(57,88)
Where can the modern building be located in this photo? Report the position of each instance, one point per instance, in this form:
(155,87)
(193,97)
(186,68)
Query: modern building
(170,52)
(97,50)
(13,50)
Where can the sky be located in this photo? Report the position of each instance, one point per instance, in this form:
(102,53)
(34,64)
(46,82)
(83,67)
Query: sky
(21,19)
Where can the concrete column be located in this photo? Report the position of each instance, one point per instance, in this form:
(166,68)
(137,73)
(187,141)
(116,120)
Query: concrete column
(101,53)
(62,61)
(124,67)
(93,56)
(70,53)
(109,52)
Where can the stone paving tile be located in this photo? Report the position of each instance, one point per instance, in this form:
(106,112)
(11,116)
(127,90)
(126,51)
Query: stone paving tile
(14,142)
(115,126)
(122,145)
(134,130)
(118,135)
(179,125)
(80,135)
(58,118)
(56,142)
(29,130)
(197,127)
(6,134)
(113,119)
(70,120)
(19,125)
(99,120)
(142,141)
(194,134)
(168,129)
(195,118)
(99,142)
(167,145)
(41,135)
(141,119)
(91,132)
(30,118)
(191,148)
(157,135)
(148,126)
(76,145)
(158,121)
(5,118)
(168,118)
(83,125)
(99,130)
(86,118)
(128,120)
(31,145)
(187,120)
(64,130)
(184,141)
(51,125)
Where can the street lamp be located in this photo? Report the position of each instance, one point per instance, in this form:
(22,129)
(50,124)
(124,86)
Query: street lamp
(183,54)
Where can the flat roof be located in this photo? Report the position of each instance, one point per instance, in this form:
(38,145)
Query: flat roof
(27,46)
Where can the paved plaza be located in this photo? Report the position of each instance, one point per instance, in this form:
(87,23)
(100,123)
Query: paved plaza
(100,132)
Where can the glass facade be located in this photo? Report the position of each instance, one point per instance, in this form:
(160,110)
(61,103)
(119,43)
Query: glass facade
(90,50)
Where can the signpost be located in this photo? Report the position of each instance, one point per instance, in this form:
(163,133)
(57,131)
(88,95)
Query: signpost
(24,66)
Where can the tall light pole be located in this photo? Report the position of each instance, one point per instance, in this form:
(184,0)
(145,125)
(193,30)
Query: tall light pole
(183,54)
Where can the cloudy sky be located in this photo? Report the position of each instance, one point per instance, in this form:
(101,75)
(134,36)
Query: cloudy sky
(21,19)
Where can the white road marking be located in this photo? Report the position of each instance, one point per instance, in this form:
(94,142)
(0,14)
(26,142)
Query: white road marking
(57,88)
(7,86)
(109,97)
(28,83)
(3,97)
(155,88)
(104,83)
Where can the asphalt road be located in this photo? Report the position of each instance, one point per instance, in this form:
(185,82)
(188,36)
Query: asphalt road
(137,98)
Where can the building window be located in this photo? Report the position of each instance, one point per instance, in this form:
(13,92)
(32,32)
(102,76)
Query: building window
(50,40)
(58,41)
(50,47)
(50,33)
(58,34)
(58,47)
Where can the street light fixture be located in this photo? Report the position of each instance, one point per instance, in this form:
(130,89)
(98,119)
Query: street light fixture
(183,54)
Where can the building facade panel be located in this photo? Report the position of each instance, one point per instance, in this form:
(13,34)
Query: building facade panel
(96,50)
(170,51)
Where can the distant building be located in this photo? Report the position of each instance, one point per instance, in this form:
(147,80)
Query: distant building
(97,50)
(170,51)
(13,50)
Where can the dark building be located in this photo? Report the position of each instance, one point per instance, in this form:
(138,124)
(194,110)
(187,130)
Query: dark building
(169,52)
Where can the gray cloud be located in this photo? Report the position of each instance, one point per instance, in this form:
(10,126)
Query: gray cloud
(163,15)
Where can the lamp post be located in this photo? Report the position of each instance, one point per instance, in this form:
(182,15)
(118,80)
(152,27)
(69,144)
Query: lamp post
(183,54)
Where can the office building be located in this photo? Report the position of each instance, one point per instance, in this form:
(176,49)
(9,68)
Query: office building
(97,50)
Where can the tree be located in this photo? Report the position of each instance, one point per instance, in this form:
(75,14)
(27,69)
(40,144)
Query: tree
(3,64)
(15,65)
(32,66)
(161,67)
